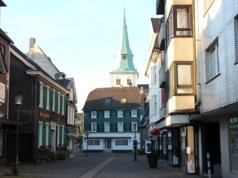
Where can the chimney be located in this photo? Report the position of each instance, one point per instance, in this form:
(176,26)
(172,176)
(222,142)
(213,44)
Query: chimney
(32,41)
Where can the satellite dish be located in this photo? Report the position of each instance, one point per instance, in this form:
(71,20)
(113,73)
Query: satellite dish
(57,76)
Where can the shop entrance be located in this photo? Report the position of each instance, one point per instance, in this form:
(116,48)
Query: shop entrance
(211,145)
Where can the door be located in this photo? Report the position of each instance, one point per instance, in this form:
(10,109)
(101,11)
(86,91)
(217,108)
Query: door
(108,144)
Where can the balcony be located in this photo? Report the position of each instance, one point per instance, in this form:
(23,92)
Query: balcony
(162,76)
(162,36)
(185,103)
(180,48)
(160,7)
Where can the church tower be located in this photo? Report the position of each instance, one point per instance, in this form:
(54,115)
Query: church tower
(124,74)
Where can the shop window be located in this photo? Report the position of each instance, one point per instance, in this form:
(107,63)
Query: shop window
(233,143)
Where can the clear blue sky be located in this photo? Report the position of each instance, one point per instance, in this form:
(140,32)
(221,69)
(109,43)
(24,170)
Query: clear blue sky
(81,36)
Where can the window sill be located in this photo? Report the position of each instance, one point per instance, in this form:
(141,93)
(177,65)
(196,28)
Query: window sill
(211,79)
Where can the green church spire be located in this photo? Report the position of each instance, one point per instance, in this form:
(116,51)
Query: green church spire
(125,55)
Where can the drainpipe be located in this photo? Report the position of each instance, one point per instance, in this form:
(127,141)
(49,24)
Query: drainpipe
(197,54)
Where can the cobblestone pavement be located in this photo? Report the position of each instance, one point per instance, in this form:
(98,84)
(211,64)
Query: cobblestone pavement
(99,165)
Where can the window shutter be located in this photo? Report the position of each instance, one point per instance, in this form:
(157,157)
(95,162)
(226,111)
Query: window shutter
(61,103)
(51,97)
(56,101)
(43,134)
(37,135)
(60,135)
(44,96)
(65,135)
(49,135)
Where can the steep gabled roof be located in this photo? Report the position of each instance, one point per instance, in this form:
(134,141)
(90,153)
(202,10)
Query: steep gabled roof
(38,56)
(125,55)
(113,98)
(69,84)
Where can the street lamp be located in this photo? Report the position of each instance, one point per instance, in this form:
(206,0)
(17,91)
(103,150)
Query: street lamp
(18,102)
(87,132)
(135,143)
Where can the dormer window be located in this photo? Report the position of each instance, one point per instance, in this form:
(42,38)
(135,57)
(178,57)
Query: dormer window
(108,101)
(123,100)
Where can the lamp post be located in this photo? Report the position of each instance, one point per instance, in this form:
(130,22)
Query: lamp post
(87,132)
(18,102)
(135,144)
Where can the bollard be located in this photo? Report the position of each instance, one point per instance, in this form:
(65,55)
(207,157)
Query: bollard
(208,165)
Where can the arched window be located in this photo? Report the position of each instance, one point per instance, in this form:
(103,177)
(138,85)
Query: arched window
(118,81)
(129,81)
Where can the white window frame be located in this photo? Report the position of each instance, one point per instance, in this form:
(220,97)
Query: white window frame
(63,98)
(47,133)
(120,113)
(94,114)
(134,113)
(47,97)
(106,126)
(40,136)
(58,109)
(120,126)
(212,65)
(62,134)
(236,38)
(106,114)
(53,100)
(58,134)
(41,97)
(93,126)
(134,126)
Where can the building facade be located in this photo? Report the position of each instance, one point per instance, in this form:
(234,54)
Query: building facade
(111,119)
(5,43)
(42,115)
(199,79)
(71,131)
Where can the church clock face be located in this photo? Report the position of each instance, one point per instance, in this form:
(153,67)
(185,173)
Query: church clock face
(123,56)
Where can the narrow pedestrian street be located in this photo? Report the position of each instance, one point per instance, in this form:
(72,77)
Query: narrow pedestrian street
(98,165)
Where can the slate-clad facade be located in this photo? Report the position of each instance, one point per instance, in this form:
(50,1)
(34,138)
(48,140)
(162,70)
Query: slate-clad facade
(42,113)
(112,116)
(5,42)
